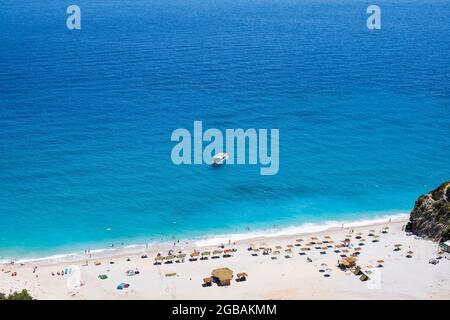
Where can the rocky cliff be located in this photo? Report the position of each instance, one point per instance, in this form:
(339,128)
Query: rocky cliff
(430,217)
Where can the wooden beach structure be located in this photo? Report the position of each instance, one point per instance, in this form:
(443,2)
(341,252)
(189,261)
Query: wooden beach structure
(223,276)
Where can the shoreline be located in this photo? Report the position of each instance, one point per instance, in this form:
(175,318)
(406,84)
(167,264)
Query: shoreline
(209,240)
(291,274)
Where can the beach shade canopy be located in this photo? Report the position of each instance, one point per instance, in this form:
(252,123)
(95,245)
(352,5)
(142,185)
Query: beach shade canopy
(206,253)
(223,275)
(195,254)
(207,281)
(242,276)
(217,252)
(159,258)
(348,262)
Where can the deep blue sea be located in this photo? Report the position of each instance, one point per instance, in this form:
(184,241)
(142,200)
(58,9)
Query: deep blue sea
(86,116)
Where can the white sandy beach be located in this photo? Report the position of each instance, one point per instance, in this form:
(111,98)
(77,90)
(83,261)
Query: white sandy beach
(268,278)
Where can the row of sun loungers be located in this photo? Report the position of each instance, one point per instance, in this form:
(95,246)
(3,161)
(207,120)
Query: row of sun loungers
(194,256)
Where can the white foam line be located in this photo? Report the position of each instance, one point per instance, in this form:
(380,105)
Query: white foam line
(305,228)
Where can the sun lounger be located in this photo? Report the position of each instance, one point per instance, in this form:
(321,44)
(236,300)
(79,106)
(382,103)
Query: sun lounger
(171,274)
(364,277)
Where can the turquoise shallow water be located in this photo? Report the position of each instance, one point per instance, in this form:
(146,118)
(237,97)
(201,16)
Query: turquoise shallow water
(86,116)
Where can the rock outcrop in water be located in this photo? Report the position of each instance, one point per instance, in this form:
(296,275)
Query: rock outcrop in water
(430,217)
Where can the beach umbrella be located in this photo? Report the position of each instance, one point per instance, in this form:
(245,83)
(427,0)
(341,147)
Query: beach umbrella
(380,261)
(299,240)
(398,245)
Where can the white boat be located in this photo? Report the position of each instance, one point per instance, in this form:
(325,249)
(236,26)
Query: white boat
(220,158)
